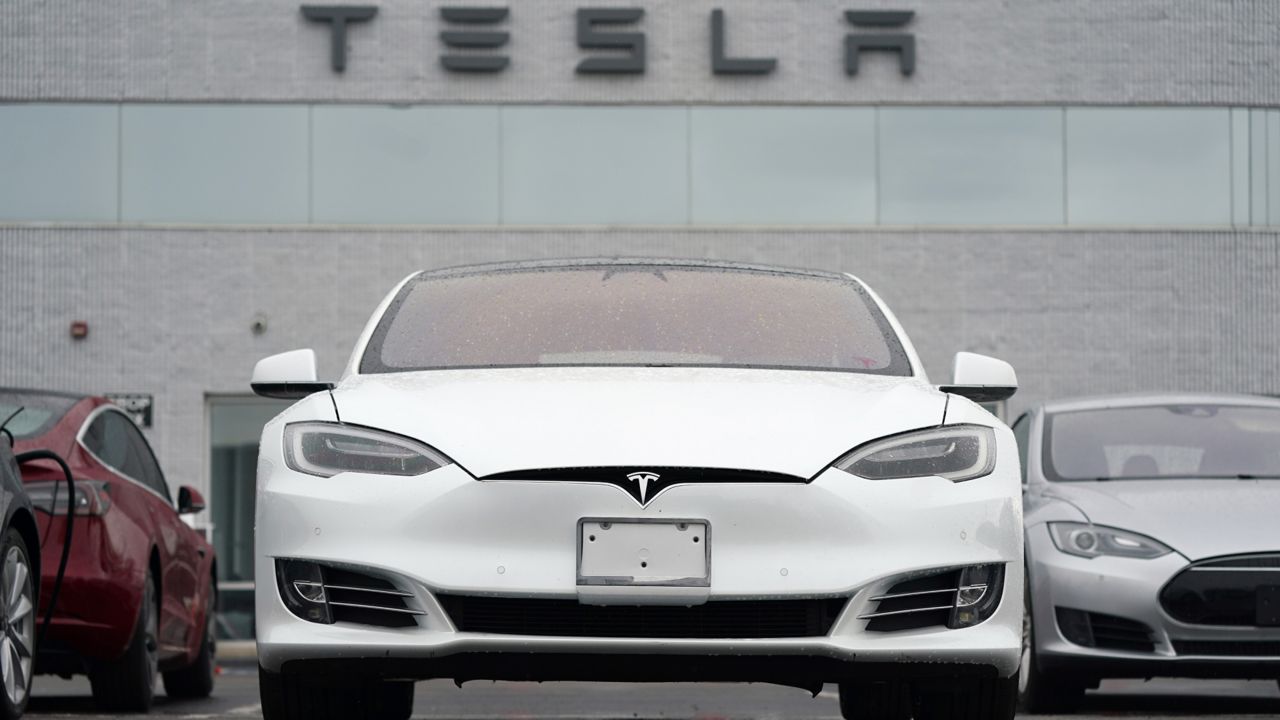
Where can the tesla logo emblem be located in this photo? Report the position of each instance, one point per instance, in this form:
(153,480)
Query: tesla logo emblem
(643,479)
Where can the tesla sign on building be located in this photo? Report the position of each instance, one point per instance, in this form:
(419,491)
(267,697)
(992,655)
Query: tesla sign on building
(480,30)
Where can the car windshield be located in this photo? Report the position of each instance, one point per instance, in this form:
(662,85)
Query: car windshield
(1164,441)
(39,411)
(636,315)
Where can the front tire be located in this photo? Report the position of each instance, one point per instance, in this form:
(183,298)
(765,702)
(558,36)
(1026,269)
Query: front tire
(872,700)
(969,699)
(1038,692)
(17,616)
(298,697)
(128,683)
(196,680)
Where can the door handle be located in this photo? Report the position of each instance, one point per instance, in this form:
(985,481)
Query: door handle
(202,551)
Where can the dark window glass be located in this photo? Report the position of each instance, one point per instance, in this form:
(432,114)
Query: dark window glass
(635,315)
(152,477)
(1022,435)
(108,438)
(40,412)
(1164,441)
(119,444)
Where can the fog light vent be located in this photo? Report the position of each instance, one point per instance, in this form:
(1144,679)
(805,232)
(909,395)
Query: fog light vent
(326,594)
(1104,631)
(951,598)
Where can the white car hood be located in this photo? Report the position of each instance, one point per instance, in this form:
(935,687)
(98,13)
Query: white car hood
(1198,518)
(494,421)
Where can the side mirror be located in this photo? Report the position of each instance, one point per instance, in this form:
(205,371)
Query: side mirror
(190,500)
(981,378)
(287,376)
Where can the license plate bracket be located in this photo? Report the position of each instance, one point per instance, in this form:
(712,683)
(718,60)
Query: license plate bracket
(644,552)
(1268,609)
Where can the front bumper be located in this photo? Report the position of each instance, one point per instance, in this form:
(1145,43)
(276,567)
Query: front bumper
(1129,589)
(838,536)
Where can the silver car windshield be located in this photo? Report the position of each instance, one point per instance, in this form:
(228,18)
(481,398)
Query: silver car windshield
(1164,442)
(634,315)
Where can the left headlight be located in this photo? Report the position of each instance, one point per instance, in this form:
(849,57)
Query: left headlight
(326,449)
(1091,541)
(954,452)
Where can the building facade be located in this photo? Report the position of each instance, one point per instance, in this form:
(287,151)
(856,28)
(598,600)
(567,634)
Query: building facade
(1087,189)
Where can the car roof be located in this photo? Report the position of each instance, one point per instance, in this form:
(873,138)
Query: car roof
(1130,400)
(568,263)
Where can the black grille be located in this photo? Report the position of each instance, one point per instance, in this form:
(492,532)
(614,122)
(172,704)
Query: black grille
(1228,648)
(1238,591)
(715,619)
(917,603)
(667,474)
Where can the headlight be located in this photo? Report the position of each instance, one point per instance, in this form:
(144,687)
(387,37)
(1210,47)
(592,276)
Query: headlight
(954,452)
(326,449)
(1091,541)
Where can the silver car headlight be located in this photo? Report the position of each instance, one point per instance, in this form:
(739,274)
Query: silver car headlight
(326,449)
(1091,541)
(954,452)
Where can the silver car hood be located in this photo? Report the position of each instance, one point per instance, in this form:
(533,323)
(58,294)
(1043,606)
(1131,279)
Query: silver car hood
(493,421)
(1198,518)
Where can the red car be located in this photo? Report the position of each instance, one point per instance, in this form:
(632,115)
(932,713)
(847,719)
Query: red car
(140,587)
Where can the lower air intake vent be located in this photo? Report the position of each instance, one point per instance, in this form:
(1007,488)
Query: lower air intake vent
(736,619)
(359,598)
(917,603)
(325,594)
(1104,631)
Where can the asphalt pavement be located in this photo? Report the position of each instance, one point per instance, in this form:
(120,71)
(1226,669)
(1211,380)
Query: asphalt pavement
(236,696)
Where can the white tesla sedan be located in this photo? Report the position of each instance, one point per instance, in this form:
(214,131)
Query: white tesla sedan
(638,470)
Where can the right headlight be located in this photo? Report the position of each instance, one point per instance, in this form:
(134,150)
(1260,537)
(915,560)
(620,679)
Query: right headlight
(954,452)
(326,449)
(1091,541)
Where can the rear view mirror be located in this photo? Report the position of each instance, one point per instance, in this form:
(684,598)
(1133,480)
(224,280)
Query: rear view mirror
(287,376)
(981,378)
(189,500)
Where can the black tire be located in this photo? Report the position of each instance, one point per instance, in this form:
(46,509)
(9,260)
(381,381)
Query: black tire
(196,680)
(1040,693)
(968,699)
(128,683)
(872,700)
(18,609)
(301,697)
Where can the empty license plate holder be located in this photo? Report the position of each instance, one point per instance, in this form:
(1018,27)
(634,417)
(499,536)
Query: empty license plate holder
(643,552)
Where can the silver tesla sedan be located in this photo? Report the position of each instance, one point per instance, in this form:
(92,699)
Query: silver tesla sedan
(1153,541)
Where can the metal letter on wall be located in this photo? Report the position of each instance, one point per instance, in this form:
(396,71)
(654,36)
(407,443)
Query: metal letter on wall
(474,39)
(338,17)
(722,65)
(902,43)
(591,39)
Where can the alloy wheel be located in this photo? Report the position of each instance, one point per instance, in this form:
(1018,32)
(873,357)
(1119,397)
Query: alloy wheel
(18,623)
